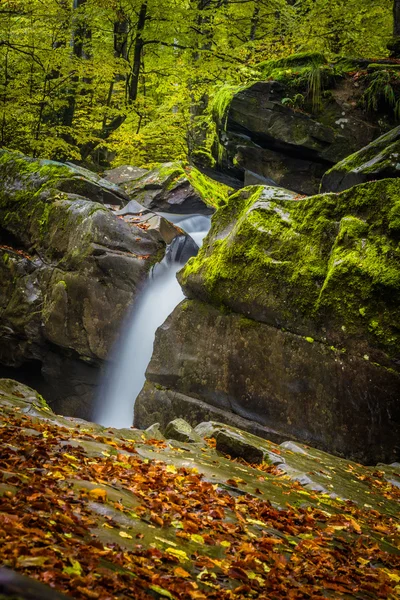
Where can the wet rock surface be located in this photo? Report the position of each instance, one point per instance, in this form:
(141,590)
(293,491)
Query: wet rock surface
(174,188)
(174,512)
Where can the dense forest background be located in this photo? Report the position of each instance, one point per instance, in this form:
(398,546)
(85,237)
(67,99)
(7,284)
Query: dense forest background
(134,81)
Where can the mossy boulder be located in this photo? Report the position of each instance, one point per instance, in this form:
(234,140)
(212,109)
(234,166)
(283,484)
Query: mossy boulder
(297,302)
(176,188)
(69,269)
(302,116)
(325,267)
(378,160)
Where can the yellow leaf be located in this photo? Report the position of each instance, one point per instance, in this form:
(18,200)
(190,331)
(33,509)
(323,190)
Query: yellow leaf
(182,556)
(162,592)
(198,539)
(70,457)
(171,469)
(225,543)
(123,534)
(179,572)
(98,494)
(74,569)
(160,539)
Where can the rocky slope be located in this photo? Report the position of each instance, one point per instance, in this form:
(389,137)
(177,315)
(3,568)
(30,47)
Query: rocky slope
(99,514)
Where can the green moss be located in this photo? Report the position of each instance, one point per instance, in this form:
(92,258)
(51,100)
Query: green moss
(212,192)
(328,262)
(301,59)
(27,190)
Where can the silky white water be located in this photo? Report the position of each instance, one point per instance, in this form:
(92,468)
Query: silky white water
(125,375)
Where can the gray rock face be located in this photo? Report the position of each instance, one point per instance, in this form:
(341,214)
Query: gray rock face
(284,383)
(378,160)
(297,328)
(180,430)
(124,174)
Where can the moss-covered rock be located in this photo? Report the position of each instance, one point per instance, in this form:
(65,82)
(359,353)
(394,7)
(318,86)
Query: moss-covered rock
(378,160)
(324,267)
(303,115)
(69,268)
(175,188)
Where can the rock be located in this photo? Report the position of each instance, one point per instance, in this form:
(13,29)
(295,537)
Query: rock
(180,430)
(153,432)
(19,587)
(124,174)
(302,117)
(315,322)
(158,402)
(313,266)
(235,445)
(378,160)
(229,366)
(69,270)
(177,189)
(12,392)
(170,497)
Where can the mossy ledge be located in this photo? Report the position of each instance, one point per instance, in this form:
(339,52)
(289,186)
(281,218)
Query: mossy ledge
(325,267)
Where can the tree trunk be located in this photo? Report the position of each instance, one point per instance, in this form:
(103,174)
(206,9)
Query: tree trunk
(396,18)
(394,45)
(81,37)
(137,54)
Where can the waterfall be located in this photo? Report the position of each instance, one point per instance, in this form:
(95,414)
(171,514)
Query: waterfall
(125,375)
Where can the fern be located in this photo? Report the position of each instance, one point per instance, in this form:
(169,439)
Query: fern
(382,90)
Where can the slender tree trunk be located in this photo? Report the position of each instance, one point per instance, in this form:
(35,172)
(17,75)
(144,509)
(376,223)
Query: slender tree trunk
(137,54)
(396,18)
(254,22)
(394,45)
(81,37)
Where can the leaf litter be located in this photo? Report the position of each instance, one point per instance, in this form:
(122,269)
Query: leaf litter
(114,523)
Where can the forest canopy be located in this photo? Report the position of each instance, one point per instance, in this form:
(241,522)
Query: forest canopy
(131,80)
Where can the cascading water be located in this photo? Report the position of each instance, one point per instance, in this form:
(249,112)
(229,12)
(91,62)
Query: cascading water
(125,375)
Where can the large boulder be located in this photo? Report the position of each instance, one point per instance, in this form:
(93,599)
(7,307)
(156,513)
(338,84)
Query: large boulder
(69,269)
(312,348)
(325,267)
(378,160)
(281,385)
(301,117)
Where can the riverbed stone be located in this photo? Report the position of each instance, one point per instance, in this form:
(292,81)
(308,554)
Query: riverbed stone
(180,430)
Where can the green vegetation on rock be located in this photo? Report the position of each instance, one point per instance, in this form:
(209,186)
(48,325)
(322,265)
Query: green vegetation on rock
(308,265)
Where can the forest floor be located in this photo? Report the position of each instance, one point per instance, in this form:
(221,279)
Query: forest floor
(103,514)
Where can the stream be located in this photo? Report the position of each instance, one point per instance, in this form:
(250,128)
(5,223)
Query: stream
(125,374)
